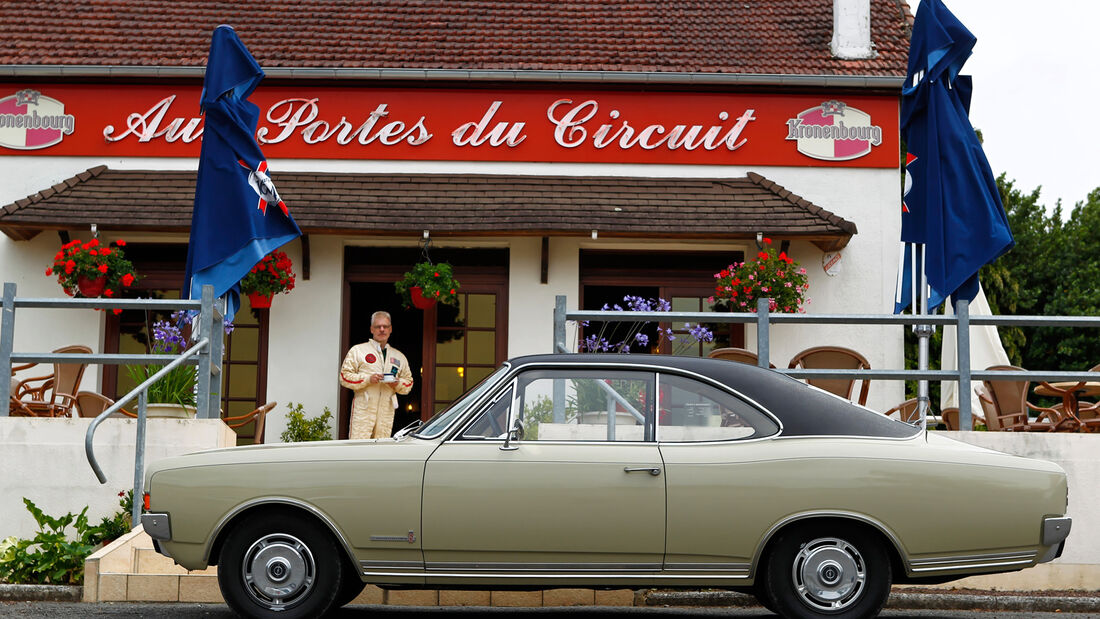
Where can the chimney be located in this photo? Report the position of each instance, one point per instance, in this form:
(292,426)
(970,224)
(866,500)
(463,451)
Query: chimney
(852,30)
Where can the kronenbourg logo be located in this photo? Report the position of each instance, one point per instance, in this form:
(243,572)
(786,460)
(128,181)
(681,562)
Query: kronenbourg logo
(29,120)
(834,131)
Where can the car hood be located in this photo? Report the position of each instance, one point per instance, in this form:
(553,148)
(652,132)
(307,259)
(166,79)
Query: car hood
(383,449)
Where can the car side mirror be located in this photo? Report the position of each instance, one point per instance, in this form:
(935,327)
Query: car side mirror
(516,432)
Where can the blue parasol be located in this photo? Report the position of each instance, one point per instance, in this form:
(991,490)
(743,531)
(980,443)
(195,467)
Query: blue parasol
(238,216)
(952,207)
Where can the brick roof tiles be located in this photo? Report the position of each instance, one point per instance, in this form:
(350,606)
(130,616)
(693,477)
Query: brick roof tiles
(407,204)
(716,36)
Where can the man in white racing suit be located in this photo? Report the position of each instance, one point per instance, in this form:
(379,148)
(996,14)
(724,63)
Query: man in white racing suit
(377,373)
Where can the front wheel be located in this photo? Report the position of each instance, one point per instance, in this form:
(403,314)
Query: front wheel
(280,566)
(838,572)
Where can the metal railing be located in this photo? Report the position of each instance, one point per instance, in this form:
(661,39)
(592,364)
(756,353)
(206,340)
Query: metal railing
(205,352)
(763,318)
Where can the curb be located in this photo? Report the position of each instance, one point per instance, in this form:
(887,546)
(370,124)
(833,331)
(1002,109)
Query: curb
(41,593)
(898,600)
(906,601)
(1017,603)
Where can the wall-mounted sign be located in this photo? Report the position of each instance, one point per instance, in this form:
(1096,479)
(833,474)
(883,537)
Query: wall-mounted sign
(30,121)
(830,263)
(834,131)
(561,125)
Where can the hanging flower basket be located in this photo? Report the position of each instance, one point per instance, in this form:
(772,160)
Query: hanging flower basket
(419,301)
(432,283)
(768,276)
(91,269)
(91,287)
(268,278)
(259,300)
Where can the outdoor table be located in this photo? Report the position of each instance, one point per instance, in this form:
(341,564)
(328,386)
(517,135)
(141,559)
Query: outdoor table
(1070,391)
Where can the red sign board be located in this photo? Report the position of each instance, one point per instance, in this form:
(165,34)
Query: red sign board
(559,125)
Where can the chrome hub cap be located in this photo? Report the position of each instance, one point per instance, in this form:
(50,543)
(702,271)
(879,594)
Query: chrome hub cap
(278,571)
(829,574)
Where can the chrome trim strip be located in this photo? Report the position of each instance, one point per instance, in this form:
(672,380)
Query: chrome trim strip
(572,568)
(391,538)
(642,577)
(972,561)
(455,435)
(709,567)
(407,568)
(478,75)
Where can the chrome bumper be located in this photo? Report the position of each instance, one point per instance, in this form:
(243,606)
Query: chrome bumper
(1054,534)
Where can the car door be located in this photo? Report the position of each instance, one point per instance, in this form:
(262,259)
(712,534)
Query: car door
(578,491)
(716,473)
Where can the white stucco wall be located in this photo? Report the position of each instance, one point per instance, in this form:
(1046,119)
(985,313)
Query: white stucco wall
(304,338)
(44,461)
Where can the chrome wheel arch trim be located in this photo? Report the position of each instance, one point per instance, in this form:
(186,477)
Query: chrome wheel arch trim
(218,529)
(842,515)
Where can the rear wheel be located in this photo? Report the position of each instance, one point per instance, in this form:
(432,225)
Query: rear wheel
(839,571)
(279,566)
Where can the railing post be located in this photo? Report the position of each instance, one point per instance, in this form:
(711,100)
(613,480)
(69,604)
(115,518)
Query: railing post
(559,324)
(7,335)
(763,337)
(139,458)
(202,385)
(217,346)
(962,341)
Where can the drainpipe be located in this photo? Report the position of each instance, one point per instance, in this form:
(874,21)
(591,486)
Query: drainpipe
(852,30)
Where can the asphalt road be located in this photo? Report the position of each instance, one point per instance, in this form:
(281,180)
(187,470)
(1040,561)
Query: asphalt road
(55,610)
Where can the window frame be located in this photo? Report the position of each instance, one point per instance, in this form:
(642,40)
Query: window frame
(752,404)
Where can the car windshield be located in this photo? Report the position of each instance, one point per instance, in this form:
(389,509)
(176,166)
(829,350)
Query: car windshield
(441,420)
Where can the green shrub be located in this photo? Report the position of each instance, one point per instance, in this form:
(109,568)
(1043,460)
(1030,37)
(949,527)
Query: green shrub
(301,428)
(50,557)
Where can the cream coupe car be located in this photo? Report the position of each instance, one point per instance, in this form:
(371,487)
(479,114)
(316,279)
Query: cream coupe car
(612,471)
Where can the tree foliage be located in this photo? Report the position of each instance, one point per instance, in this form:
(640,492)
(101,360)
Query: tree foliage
(1053,270)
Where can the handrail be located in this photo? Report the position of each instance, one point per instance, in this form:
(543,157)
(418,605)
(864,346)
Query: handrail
(763,319)
(207,349)
(141,389)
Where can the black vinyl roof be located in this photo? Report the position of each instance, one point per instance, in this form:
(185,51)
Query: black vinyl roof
(803,410)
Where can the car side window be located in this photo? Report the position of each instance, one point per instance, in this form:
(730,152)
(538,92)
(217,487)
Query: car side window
(693,411)
(493,421)
(562,405)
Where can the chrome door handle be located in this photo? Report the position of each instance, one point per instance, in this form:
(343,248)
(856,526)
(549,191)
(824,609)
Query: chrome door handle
(652,470)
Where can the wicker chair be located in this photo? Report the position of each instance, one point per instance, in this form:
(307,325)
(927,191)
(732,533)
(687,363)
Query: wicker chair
(52,395)
(91,404)
(907,411)
(740,355)
(834,357)
(258,415)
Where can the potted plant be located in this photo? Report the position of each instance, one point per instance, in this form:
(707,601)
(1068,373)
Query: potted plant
(177,388)
(91,269)
(428,283)
(768,276)
(267,278)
